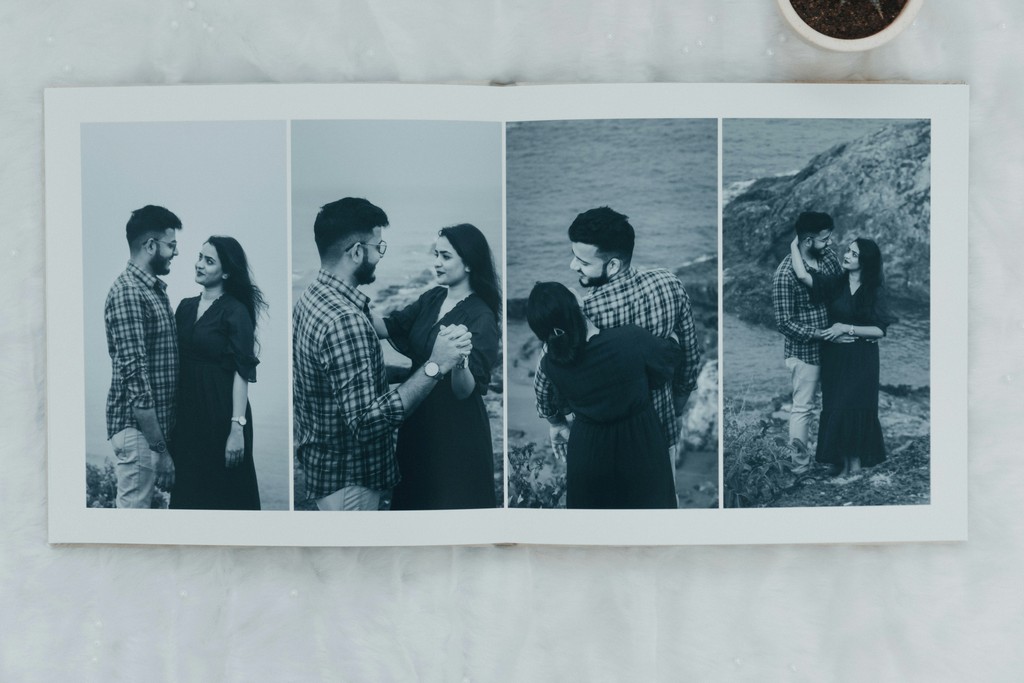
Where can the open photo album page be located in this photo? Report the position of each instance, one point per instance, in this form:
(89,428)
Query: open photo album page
(587,315)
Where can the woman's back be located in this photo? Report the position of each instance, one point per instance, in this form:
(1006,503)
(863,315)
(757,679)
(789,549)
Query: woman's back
(612,377)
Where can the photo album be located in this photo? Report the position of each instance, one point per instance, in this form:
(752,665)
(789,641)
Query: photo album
(384,315)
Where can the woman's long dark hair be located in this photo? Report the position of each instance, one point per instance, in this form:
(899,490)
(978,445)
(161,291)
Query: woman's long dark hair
(872,279)
(471,246)
(555,317)
(239,282)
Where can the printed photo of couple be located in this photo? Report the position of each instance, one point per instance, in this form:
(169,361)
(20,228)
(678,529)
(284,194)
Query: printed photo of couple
(613,313)
(826,312)
(397,318)
(184,260)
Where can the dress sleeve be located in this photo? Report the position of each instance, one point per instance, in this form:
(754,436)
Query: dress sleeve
(881,313)
(399,323)
(486,337)
(661,356)
(241,341)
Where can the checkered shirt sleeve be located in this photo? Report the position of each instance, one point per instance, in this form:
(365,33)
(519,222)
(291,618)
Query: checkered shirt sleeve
(143,347)
(796,315)
(549,402)
(345,415)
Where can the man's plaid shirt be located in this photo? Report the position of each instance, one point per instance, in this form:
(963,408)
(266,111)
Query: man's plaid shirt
(656,301)
(346,419)
(796,316)
(143,344)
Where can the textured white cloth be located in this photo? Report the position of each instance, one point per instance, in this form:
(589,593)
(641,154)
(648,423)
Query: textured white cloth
(906,612)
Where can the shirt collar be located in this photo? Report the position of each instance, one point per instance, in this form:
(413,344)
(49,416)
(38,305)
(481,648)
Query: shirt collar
(625,277)
(151,281)
(358,299)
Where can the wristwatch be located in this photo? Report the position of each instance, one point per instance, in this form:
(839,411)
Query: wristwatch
(432,370)
(240,420)
(159,447)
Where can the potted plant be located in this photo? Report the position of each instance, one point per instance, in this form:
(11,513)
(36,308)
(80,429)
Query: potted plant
(849,25)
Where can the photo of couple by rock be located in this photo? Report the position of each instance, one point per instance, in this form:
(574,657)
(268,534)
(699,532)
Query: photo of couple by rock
(397,387)
(613,384)
(826,300)
(174,397)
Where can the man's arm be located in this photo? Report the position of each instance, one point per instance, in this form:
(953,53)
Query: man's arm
(685,378)
(347,356)
(124,319)
(550,405)
(784,306)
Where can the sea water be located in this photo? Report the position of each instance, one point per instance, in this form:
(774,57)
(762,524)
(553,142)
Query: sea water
(662,173)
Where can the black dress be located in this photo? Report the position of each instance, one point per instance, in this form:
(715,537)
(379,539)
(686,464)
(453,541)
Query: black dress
(849,425)
(212,349)
(444,449)
(617,456)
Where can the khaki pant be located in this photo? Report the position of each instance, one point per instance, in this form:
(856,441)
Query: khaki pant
(805,378)
(351,498)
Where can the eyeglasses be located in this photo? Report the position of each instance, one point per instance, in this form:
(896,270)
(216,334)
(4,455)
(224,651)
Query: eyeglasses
(172,245)
(381,246)
(826,239)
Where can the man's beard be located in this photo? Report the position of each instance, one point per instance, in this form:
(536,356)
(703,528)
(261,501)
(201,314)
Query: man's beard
(815,252)
(601,279)
(364,274)
(160,265)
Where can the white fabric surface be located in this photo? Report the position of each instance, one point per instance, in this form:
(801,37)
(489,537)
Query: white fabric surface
(907,612)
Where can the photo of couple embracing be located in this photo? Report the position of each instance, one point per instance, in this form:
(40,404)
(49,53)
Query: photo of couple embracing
(826,263)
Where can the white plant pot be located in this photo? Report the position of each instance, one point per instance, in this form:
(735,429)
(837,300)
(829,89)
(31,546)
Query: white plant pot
(902,21)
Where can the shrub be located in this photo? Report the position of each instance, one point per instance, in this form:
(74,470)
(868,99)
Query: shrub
(756,464)
(101,488)
(535,480)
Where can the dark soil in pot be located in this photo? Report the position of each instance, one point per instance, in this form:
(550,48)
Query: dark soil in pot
(848,19)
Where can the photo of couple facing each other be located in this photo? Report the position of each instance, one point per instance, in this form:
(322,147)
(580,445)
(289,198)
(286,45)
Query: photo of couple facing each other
(426,443)
(616,370)
(832,312)
(178,415)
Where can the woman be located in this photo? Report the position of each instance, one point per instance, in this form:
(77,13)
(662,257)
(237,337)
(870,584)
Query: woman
(444,449)
(212,444)
(617,452)
(849,434)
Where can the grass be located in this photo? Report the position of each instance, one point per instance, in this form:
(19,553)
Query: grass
(757,472)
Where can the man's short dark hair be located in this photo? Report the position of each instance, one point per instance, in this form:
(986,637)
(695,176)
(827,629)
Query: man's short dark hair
(345,218)
(607,230)
(813,222)
(149,221)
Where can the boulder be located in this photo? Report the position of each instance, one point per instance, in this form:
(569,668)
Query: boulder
(877,186)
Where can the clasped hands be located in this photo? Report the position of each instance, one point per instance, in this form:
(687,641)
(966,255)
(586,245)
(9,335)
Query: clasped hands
(838,333)
(453,343)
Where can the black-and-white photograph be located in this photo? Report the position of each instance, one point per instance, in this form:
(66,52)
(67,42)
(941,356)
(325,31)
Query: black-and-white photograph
(397,343)
(826,256)
(613,313)
(185,315)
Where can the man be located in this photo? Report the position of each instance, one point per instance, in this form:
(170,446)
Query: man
(802,323)
(346,418)
(602,246)
(143,347)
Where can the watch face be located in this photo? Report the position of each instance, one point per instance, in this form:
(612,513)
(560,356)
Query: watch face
(431,369)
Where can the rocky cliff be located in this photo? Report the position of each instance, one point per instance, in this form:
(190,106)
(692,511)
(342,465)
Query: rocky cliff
(878,186)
